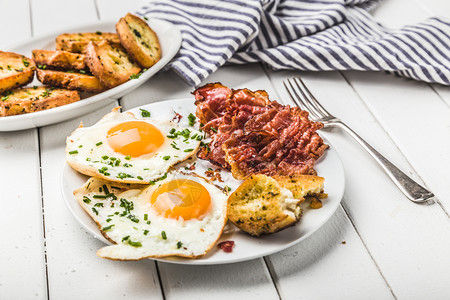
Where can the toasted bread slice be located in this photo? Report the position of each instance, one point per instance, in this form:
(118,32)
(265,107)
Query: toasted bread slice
(60,60)
(76,42)
(26,100)
(140,41)
(15,71)
(263,204)
(109,63)
(71,81)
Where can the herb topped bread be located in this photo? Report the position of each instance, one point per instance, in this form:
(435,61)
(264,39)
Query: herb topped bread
(15,71)
(263,205)
(140,41)
(59,60)
(32,99)
(76,42)
(110,63)
(70,80)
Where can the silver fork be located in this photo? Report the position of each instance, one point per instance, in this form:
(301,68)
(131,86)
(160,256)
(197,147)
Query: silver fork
(302,97)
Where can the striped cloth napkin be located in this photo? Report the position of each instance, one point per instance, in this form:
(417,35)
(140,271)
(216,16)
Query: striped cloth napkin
(313,35)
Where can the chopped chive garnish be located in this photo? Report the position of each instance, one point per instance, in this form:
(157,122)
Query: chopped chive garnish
(145,217)
(166,157)
(145,18)
(188,150)
(105,189)
(172,131)
(145,232)
(100,196)
(88,159)
(99,143)
(128,157)
(95,211)
(140,178)
(105,157)
(86,199)
(227,188)
(73,152)
(163,235)
(145,113)
(199,137)
(127,165)
(194,136)
(134,244)
(133,218)
(191,119)
(179,244)
(125,238)
(149,222)
(108,220)
(81,146)
(213,129)
(145,169)
(99,204)
(108,227)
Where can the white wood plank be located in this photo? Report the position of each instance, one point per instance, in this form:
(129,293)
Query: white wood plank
(48,15)
(245,280)
(73,267)
(21,225)
(116,9)
(331,264)
(395,230)
(22,241)
(18,15)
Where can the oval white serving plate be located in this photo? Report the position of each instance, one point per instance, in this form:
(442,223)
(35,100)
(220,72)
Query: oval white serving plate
(246,247)
(169,38)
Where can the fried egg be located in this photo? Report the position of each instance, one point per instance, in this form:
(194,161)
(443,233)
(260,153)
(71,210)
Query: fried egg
(181,215)
(124,148)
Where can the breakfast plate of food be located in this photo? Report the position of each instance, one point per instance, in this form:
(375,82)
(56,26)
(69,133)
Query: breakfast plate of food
(71,72)
(226,177)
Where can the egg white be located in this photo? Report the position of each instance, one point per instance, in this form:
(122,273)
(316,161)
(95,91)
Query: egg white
(88,151)
(186,238)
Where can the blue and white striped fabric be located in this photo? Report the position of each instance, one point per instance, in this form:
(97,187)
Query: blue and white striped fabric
(310,35)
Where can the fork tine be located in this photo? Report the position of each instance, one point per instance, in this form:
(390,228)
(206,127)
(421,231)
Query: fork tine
(293,97)
(318,107)
(300,96)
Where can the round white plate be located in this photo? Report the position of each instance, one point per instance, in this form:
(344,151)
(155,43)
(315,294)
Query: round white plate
(169,38)
(246,247)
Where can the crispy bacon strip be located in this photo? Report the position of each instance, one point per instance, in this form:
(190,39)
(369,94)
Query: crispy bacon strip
(253,135)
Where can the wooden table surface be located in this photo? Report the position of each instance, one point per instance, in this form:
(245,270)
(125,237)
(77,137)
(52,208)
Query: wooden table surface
(378,245)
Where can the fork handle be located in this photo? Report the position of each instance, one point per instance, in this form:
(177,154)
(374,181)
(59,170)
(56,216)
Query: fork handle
(414,191)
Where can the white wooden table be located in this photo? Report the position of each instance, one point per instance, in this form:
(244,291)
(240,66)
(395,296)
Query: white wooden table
(378,245)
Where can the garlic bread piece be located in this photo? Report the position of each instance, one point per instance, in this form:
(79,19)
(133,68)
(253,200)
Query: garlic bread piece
(76,42)
(70,80)
(140,41)
(32,99)
(110,63)
(15,71)
(262,206)
(60,60)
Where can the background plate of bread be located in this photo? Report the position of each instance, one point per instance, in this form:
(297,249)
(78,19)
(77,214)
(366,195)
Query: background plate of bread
(74,71)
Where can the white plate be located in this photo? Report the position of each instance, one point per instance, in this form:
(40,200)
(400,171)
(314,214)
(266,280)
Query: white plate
(246,247)
(169,38)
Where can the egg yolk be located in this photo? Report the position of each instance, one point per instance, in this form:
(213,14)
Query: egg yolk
(183,198)
(135,138)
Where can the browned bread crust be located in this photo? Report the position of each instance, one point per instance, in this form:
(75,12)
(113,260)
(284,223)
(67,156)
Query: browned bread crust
(110,63)
(62,60)
(15,71)
(26,100)
(71,81)
(140,41)
(76,42)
